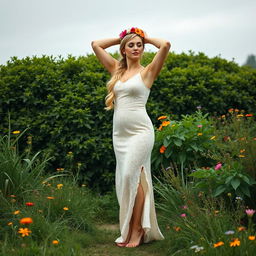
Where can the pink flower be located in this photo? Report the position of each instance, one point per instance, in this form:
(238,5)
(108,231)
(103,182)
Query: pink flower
(122,34)
(183,215)
(184,207)
(199,126)
(218,166)
(250,212)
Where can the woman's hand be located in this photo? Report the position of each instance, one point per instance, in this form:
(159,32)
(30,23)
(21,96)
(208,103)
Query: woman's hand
(145,37)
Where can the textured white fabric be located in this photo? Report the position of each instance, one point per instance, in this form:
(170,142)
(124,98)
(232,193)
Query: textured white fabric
(133,141)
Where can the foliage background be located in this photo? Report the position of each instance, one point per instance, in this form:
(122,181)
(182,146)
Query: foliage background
(62,102)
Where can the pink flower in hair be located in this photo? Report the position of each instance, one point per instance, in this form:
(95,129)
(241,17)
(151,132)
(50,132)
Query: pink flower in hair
(123,34)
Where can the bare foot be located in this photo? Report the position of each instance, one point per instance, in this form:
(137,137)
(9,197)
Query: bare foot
(136,238)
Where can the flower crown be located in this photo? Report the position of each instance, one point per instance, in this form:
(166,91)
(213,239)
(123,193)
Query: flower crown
(137,31)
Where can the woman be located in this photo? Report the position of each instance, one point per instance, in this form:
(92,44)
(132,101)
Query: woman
(133,131)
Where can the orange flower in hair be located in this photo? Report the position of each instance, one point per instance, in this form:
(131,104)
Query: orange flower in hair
(137,31)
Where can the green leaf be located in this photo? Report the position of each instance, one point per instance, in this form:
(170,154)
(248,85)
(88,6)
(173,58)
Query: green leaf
(168,152)
(219,190)
(182,157)
(235,183)
(245,189)
(177,142)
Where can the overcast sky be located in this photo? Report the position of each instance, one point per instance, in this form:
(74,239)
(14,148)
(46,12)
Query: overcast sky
(223,28)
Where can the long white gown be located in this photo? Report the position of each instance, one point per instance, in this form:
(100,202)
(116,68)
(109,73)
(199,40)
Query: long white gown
(133,141)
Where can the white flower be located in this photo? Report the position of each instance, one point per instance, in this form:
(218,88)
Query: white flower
(197,248)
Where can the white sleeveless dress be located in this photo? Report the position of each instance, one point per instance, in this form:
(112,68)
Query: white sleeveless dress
(133,141)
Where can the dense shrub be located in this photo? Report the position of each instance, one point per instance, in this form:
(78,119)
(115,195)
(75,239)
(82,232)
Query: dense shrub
(62,101)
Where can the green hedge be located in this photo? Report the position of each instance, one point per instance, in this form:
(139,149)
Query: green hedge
(62,102)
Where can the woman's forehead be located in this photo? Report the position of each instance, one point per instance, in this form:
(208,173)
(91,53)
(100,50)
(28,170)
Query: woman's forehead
(135,39)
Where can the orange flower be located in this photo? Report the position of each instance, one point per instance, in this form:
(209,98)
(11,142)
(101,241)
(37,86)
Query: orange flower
(29,204)
(248,115)
(177,229)
(161,117)
(9,223)
(65,208)
(251,238)
(231,110)
(55,241)
(160,127)
(16,212)
(220,243)
(236,110)
(24,231)
(27,220)
(235,242)
(241,228)
(162,149)
(165,123)
(50,197)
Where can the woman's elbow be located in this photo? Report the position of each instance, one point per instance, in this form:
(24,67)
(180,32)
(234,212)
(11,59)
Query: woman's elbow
(167,44)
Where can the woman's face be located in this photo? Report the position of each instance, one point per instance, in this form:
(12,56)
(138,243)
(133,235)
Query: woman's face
(134,48)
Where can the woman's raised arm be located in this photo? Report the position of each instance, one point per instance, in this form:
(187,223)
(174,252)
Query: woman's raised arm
(105,58)
(154,68)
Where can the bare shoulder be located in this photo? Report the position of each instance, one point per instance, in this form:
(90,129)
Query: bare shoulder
(147,76)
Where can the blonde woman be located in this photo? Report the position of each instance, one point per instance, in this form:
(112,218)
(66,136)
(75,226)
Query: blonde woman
(133,131)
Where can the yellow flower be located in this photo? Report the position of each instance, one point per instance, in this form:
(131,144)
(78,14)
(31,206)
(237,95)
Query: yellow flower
(16,212)
(59,186)
(213,138)
(223,116)
(161,117)
(199,134)
(241,155)
(16,132)
(235,242)
(220,243)
(229,194)
(165,123)
(55,241)
(251,238)
(9,223)
(239,115)
(83,185)
(24,231)
(65,208)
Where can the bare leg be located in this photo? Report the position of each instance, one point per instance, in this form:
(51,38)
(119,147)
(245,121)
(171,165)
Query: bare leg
(136,227)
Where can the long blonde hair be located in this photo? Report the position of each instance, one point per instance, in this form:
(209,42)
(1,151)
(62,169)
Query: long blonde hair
(109,99)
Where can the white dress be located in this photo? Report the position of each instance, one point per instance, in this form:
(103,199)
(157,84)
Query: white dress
(133,141)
